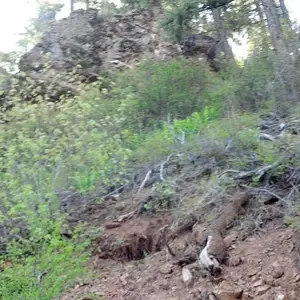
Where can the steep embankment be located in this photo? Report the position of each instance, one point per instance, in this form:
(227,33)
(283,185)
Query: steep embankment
(151,242)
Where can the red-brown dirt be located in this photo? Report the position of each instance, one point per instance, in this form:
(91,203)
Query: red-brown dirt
(264,266)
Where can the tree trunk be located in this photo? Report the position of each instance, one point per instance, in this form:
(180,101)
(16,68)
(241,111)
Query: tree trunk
(283,61)
(222,33)
(285,12)
(72,2)
(273,21)
(259,10)
(263,27)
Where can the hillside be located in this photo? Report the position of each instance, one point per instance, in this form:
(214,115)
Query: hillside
(164,169)
(199,195)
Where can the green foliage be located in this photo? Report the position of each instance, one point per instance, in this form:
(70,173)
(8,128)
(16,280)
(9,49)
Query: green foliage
(44,149)
(43,275)
(251,86)
(46,14)
(166,194)
(237,126)
(269,154)
(179,17)
(136,4)
(197,120)
(90,144)
(155,90)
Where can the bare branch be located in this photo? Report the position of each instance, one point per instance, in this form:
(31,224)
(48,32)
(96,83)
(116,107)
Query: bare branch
(265,136)
(259,172)
(144,181)
(161,176)
(127,216)
(269,192)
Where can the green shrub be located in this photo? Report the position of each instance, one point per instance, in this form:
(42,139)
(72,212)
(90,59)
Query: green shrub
(44,149)
(252,82)
(42,276)
(177,88)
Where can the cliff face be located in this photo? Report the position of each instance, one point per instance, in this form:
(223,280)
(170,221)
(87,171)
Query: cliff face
(78,48)
(86,39)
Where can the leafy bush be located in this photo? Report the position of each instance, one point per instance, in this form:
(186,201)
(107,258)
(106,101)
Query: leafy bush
(252,85)
(47,148)
(157,89)
(54,265)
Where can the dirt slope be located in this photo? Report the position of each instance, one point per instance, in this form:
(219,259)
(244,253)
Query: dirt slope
(144,254)
(263,265)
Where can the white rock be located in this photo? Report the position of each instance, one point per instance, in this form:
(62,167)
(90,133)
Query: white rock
(187,277)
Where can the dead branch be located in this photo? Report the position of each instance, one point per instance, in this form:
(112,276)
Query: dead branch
(127,216)
(70,196)
(269,192)
(161,176)
(141,203)
(228,171)
(107,196)
(144,182)
(265,136)
(259,172)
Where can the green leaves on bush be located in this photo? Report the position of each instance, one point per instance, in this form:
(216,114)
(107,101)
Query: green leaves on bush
(177,88)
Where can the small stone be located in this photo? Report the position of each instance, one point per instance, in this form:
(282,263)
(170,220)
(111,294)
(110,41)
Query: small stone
(280,297)
(166,269)
(246,297)
(234,261)
(261,290)
(277,270)
(187,277)
(227,291)
(120,206)
(258,283)
(194,266)
(252,273)
(269,280)
(112,225)
(115,197)
(164,286)
(199,234)
(123,279)
(278,273)
(229,239)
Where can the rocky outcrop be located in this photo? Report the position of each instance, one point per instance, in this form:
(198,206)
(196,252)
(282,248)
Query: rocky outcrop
(77,49)
(86,39)
(200,43)
(89,44)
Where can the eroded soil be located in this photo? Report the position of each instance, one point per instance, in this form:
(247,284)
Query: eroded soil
(131,260)
(264,265)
